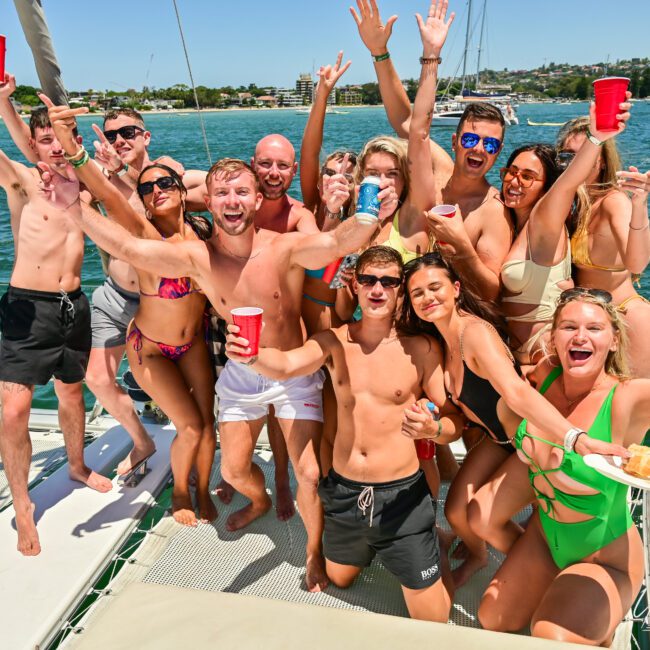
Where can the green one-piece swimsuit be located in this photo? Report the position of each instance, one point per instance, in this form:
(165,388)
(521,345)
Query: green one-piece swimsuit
(609,515)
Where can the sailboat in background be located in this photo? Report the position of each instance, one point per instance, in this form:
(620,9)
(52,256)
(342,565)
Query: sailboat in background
(448,113)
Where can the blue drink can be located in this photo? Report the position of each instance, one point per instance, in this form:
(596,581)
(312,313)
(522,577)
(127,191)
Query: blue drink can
(368,203)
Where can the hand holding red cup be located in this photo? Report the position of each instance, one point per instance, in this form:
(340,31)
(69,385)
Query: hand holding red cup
(249,321)
(444,210)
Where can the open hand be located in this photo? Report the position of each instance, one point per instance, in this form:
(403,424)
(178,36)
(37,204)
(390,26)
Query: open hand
(433,31)
(622,118)
(373,32)
(328,75)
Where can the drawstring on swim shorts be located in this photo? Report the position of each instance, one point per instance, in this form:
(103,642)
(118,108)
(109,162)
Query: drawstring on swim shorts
(65,300)
(367,500)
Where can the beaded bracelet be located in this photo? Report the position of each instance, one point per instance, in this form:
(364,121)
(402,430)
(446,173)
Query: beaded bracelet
(82,161)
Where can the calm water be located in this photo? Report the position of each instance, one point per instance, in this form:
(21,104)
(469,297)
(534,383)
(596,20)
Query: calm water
(234,134)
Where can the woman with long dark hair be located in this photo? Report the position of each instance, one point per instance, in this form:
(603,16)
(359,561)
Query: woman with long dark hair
(482,378)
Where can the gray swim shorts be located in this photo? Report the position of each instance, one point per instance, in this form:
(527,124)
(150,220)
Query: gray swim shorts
(113,310)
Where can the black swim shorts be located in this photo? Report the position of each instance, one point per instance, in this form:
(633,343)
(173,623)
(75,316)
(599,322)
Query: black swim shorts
(395,520)
(44,334)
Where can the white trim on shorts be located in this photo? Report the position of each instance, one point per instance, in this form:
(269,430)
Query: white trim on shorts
(246,395)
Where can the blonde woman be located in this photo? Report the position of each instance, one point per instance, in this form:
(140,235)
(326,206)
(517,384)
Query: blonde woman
(611,242)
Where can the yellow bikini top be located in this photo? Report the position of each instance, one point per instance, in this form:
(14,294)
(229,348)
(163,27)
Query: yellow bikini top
(394,241)
(535,284)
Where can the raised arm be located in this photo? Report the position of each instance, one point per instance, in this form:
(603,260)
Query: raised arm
(312,138)
(279,364)
(318,250)
(433,33)
(375,36)
(633,237)
(18,130)
(63,122)
(546,222)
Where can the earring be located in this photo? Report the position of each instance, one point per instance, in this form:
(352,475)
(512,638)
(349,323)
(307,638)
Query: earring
(148,215)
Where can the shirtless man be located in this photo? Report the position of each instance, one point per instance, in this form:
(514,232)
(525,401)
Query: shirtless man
(375,497)
(45,317)
(478,238)
(275,165)
(241,265)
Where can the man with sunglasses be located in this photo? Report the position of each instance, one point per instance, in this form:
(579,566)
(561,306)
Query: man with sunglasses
(44,314)
(241,265)
(121,150)
(375,497)
(478,237)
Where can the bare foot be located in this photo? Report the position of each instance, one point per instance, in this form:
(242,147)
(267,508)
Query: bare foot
(28,543)
(136,455)
(284,506)
(316,578)
(468,568)
(92,479)
(183,510)
(248,513)
(207,510)
(224,491)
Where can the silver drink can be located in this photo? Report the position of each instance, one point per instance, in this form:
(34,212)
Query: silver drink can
(368,203)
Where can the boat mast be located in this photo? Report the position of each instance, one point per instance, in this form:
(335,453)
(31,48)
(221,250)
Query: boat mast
(469,19)
(480,44)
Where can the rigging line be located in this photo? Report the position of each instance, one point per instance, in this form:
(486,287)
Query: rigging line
(196,97)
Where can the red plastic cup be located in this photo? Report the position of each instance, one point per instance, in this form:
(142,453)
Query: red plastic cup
(3,49)
(249,321)
(425,448)
(330,271)
(609,93)
(444,210)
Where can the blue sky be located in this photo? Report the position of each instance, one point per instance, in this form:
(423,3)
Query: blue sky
(109,44)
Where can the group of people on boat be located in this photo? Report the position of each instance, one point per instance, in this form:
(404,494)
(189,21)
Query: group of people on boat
(513,324)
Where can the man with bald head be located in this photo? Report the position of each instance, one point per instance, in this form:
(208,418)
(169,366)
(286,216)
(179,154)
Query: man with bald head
(275,164)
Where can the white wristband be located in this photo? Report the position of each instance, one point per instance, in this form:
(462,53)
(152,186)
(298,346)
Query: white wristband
(570,438)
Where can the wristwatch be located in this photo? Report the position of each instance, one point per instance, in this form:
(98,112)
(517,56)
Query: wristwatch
(570,438)
(593,139)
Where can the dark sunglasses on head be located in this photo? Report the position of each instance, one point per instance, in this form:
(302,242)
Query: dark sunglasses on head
(563,158)
(127,132)
(386,281)
(331,172)
(526,177)
(470,140)
(598,294)
(163,183)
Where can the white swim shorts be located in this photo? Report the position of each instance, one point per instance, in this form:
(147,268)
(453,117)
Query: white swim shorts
(246,395)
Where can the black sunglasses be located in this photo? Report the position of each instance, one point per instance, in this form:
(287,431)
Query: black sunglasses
(598,294)
(564,158)
(386,281)
(127,132)
(163,183)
